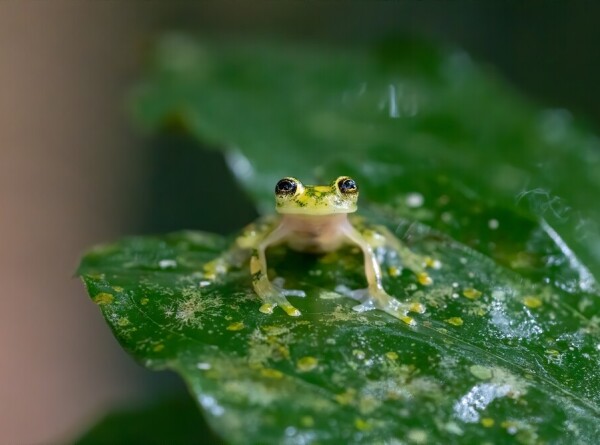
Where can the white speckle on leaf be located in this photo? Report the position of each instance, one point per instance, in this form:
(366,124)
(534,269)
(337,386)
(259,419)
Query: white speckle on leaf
(167,264)
(493,224)
(477,399)
(414,200)
(210,404)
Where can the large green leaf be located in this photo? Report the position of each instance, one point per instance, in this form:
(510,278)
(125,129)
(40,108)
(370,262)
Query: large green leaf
(447,158)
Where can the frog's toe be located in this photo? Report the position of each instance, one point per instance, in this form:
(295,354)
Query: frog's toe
(361,295)
(291,310)
(368,305)
(267,308)
(278,284)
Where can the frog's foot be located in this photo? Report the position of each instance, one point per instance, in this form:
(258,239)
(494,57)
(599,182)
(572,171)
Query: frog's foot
(274,295)
(378,299)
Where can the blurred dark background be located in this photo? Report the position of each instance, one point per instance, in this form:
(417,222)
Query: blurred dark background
(74,172)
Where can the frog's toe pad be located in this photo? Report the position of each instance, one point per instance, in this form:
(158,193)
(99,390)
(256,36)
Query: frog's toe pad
(291,310)
(267,308)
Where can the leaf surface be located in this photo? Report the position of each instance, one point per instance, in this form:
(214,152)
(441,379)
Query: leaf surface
(459,168)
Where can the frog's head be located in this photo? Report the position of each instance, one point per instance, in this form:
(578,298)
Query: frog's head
(292,197)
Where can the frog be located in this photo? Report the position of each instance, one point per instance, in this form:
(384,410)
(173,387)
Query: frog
(319,219)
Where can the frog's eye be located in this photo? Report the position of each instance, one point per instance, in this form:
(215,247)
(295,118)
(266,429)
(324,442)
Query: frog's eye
(347,186)
(286,186)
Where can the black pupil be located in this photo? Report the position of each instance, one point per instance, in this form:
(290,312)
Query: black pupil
(285,186)
(347,185)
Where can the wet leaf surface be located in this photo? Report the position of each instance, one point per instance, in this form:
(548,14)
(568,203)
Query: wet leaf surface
(460,169)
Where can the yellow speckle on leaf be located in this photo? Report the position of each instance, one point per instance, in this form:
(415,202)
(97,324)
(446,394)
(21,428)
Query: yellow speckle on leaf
(306,364)
(123,321)
(481,372)
(159,347)
(393,271)
(391,355)
(117,288)
(103,298)
(532,302)
(455,321)
(346,398)
(417,436)
(471,294)
(144,301)
(237,326)
(362,425)
(424,279)
(271,373)
(487,422)
(307,421)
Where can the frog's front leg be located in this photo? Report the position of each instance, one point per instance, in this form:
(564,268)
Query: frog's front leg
(374,296)
(271,294)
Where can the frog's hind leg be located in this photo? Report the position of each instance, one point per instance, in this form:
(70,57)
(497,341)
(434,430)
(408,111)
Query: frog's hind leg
(271,294)
(375,296)
(412,261)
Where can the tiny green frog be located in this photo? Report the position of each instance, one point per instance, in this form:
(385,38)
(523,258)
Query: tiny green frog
(316,219)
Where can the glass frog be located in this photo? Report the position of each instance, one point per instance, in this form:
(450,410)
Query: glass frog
(316,219)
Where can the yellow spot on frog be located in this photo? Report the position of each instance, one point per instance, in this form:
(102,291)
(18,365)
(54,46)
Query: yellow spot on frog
(424,279)
(417,308)
(144,301)
(307,421)
(271,373)
(103,298)
(472,294)
(306,364)
(345,398)
(487,422)
(159,347)
(391,355)
(455,321)
(362,425)
(254,265)
(532,302)
(394,271)
(237,326)
(117,288)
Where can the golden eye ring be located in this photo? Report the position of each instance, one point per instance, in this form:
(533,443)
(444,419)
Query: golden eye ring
(347,186)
